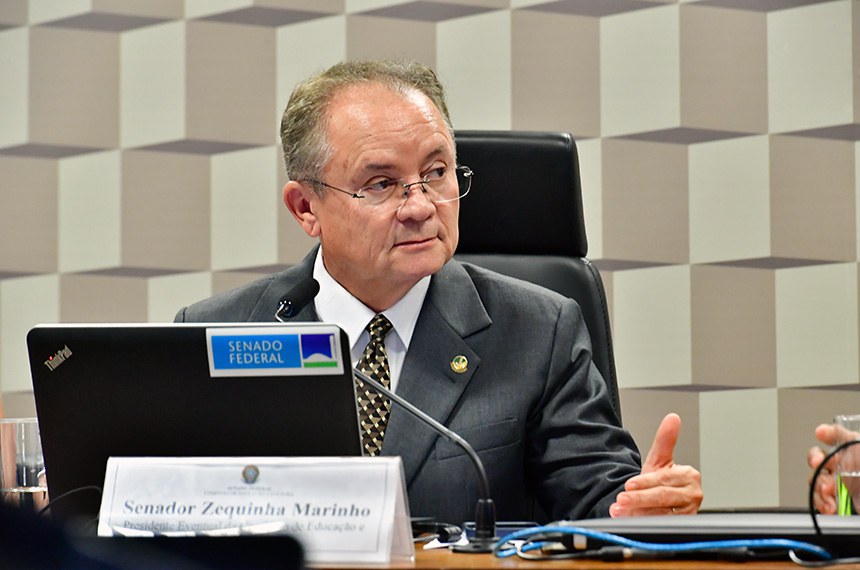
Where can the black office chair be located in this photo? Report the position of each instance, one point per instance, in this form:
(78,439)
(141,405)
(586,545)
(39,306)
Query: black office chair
(523,217)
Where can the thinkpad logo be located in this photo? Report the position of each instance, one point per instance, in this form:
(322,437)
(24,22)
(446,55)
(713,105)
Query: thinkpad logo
(58,358)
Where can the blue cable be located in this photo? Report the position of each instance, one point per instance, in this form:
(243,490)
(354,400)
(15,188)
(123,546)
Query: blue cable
(762,543)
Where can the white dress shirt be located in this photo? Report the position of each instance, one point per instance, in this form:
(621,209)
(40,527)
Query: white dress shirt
(334,304)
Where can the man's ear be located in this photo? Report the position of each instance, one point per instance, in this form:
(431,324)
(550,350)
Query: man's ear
(298,199)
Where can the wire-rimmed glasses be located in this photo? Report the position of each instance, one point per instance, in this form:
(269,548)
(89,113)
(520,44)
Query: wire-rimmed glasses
(439,185)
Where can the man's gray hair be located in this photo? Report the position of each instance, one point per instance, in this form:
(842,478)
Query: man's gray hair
(303,125)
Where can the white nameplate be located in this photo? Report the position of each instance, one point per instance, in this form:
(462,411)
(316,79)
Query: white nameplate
(341,509)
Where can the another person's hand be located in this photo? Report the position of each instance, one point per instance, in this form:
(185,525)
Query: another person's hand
(663,487)
(824,495)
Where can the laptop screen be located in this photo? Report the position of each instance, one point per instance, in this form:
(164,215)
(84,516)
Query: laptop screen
(184,389)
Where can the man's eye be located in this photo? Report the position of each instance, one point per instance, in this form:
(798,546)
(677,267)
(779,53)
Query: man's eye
(435,174)
(380,186)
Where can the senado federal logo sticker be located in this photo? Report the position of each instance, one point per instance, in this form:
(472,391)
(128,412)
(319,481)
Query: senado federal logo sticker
(274,351)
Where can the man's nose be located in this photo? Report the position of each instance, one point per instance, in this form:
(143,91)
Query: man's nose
(418,204)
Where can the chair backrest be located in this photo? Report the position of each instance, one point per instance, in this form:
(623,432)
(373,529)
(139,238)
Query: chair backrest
(524,218)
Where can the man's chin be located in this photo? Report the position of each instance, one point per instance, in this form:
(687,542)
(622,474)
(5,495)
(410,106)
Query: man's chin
(420,267)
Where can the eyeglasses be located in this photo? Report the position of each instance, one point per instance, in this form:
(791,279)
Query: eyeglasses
(439,185)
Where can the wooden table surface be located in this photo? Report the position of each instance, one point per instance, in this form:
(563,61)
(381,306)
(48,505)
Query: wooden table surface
(442,559)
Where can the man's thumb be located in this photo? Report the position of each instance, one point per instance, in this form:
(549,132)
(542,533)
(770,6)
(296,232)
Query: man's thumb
(663,447)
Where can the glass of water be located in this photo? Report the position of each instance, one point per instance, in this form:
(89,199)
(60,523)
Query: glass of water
(848,470)
(22,469)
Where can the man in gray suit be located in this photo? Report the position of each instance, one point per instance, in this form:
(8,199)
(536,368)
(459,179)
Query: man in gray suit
(373,175)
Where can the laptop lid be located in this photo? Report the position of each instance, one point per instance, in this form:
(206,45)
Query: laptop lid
(185,389)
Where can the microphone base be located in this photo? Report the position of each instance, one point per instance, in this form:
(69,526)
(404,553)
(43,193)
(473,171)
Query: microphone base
(476,546)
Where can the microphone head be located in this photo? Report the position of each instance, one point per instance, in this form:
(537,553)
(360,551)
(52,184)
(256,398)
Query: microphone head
(297,298)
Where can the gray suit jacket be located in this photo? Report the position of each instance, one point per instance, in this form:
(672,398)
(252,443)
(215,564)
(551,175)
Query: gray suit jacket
(531,403)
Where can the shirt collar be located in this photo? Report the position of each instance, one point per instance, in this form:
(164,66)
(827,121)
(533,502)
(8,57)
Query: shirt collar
(334,304)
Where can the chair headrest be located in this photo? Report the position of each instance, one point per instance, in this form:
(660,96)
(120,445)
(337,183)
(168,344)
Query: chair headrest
(526,196)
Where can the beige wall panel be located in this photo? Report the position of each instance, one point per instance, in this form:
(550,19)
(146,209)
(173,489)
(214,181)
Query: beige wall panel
(14,92)
(150,8)
(816,326)
(652,323)
(102,298)
(363,35)
(41,12)
(293,242)
(89,211)
(228,280)
(730,200)
(857,196)
(167,294)
(308,5)
(322,43)
(855,57)
(739,448)
(74,87)
(24,303)
(18,404)
(643,410)
(14,12)
(202,8)
(230,82)
(800,411)
(810,72)
(590,153)
(166,210)
(645,201)
(28,216)
(723,69)
(734,337)
(474,63)
(640,71)
(555,62)
(152,85)
(813,198)
(245,200)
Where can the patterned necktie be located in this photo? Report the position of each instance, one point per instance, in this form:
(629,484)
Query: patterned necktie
(373,407)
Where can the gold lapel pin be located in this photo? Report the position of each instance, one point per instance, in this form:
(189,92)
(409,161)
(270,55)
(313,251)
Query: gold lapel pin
(460,364)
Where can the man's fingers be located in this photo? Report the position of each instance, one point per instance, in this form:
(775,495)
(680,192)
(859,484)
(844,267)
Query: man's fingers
(675,476)
(662,449)
(658,501)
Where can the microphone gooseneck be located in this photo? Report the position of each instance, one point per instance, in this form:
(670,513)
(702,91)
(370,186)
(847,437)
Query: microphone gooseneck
(296,299)
(485,512)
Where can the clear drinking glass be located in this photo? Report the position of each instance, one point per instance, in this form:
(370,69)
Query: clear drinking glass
(848,470)
(22,468)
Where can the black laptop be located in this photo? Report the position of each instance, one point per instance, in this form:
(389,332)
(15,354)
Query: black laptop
(182,389)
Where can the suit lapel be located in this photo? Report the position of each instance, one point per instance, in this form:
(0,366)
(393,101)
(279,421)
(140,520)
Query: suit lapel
(451,312)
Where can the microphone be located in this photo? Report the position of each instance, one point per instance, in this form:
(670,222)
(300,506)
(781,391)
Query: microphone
(485,512)
(296,299)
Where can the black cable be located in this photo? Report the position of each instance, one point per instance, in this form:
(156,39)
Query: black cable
(62,496)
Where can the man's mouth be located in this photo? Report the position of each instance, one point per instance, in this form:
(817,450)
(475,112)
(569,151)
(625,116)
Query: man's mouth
(416,241)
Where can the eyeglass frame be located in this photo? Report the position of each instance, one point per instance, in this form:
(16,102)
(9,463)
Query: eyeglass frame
(407,186)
